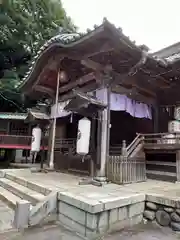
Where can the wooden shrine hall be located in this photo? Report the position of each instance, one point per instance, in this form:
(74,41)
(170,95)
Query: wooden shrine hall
(123,90)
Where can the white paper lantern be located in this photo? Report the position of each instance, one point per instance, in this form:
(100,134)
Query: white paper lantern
(83,137)
(177,113)
(169,139)
(36,139)
(174,126)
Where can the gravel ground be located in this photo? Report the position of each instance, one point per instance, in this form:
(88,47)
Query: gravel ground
(54,232)
(145,232)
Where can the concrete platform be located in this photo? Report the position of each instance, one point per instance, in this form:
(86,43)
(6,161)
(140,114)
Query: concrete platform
(90,210)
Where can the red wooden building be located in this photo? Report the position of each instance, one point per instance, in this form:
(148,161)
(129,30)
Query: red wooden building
(15,136)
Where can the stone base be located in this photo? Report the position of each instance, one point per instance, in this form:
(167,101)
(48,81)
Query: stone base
(92,222)
(165,211)
(101,179)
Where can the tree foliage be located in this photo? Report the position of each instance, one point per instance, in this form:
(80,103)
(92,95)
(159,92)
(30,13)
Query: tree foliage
(24,26)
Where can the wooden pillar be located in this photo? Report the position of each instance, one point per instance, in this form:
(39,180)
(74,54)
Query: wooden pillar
(156,118)
(178,165)
(104,146)
(92,147)
(8,127)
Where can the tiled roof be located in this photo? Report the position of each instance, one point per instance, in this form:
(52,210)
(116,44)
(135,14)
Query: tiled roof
(173,57)
(13,116)
(39,115)
(61,38)
(68,39)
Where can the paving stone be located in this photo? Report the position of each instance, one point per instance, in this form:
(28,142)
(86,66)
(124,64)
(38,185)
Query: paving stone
(72,212)
(161,199)
(163,218)
(127,199)
(123,213)
(151,206)
(92,220)
(21,214)
(126,223)
(103,220)
(178,211)
(175,217)
(136,209)
(89,205)
(65,221)
(113,215)
(150,215)
(175,226)
(169,209)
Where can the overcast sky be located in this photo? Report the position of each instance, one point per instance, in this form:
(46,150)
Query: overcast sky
(155,23)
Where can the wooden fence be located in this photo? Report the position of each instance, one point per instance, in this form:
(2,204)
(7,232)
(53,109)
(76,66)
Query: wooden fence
(123,170)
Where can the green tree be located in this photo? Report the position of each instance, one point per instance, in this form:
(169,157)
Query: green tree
(24,26)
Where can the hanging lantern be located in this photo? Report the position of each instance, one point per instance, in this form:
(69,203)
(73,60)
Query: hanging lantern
(83,136)
(174,126)
(177,113)
(63,77)
(36,139)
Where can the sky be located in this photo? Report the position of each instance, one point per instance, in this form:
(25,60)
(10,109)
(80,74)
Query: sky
(155,23)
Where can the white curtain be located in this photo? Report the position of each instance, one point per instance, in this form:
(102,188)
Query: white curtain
(118,102)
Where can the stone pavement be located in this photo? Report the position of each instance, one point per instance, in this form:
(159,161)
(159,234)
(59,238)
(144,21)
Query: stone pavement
(69,183)
(6,217)
(145,232)
(55,232)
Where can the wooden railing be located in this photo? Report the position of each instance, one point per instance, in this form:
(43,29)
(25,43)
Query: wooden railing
(18,140)
(123,170)
(161,140)
(134,144)
(15,140)
(64,143)
(125,167)
(115,150)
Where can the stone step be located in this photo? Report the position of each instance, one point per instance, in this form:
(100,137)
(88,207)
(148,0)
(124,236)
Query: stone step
(168,174)
(9,198)
(21,191)
(33,186)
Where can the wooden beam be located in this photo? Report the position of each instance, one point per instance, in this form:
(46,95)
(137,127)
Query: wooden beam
(117,77)
(80,81)
(109,49)
(92,65)
(43,89)
(143,89)
(88,88)
(124,79)
(133,94)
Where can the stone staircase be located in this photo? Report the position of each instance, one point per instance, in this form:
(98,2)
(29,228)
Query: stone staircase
(13,190)
(28,200)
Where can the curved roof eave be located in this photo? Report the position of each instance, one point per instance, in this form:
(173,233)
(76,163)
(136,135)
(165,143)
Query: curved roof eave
(68,41)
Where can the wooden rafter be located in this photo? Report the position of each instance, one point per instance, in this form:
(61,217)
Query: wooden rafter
(133,93)
(92,65)
(91,86)
(124,79)
(80,81)
(44,90)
